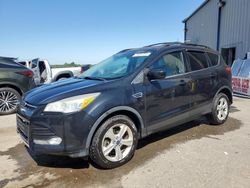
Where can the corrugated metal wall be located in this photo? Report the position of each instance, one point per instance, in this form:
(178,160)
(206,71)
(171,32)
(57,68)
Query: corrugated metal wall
(202,26)
(235,26)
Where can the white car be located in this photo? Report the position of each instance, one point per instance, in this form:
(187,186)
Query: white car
(44,74)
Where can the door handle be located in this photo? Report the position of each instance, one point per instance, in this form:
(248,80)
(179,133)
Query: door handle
(182,83)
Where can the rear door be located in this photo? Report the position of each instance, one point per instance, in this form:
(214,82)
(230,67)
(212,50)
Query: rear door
(168,100)
(49,72)
(202,81)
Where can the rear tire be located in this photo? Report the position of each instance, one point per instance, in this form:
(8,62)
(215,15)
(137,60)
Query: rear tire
(114,143)
(220,110)
(9,99)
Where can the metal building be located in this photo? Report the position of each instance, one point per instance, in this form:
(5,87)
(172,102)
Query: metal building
(223,25)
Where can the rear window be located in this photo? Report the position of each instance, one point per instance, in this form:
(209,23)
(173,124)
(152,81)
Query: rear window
(197,60)
(214,59)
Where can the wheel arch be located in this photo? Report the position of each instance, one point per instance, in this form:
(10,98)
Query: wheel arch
(59,74)
(13,86)
(120,110)
(227,91)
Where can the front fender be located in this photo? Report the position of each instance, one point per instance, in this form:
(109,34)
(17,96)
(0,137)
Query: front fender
(106,114)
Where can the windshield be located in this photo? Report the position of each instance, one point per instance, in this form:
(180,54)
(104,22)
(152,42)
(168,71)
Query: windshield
(117,66)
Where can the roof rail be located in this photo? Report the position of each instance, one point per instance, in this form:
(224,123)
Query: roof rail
(125,50)
(192,44)
(164,43)
(176,43)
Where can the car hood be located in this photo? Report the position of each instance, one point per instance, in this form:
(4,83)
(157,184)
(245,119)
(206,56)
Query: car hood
(59,90)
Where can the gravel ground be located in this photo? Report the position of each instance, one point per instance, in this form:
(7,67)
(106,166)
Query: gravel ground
(191,155)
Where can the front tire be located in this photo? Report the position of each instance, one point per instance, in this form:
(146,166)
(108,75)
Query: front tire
(9,99)
(114,143)
(220,110)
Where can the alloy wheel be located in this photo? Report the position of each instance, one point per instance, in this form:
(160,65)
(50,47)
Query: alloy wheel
(8,101)
(117,142)
(222,109)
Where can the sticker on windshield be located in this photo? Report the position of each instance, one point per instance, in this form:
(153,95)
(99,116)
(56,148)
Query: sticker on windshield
(142,54)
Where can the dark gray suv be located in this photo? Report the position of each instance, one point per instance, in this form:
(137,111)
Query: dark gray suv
(15,80)
(134,93)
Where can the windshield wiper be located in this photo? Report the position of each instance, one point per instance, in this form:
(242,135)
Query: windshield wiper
(93,78)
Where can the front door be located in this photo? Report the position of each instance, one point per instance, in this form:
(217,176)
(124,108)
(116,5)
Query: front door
(49,72)
(36,71)
(167,99)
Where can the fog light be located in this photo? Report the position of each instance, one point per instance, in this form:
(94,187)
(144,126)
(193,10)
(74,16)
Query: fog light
(52,141)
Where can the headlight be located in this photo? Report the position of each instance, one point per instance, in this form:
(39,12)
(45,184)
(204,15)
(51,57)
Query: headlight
(72,104)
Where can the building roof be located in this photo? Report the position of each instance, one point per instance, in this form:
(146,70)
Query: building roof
(200,7)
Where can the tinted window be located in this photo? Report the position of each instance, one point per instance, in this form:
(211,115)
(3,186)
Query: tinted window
(171,63)
(213,58)
(197,60)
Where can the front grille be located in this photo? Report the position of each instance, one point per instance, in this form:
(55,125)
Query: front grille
(23,128)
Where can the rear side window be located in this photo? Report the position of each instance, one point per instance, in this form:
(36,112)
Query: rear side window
(197,60)
(214,59)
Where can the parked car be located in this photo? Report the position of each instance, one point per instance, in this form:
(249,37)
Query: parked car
(134,93)
(15,80)
(241,77)
(44,74)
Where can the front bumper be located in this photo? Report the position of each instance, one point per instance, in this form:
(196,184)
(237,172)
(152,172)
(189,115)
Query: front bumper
(73,129)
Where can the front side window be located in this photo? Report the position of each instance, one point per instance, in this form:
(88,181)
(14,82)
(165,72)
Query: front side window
(171,63)
(118,65)
(197,60)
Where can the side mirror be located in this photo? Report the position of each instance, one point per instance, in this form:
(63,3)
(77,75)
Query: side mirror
(156,74)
